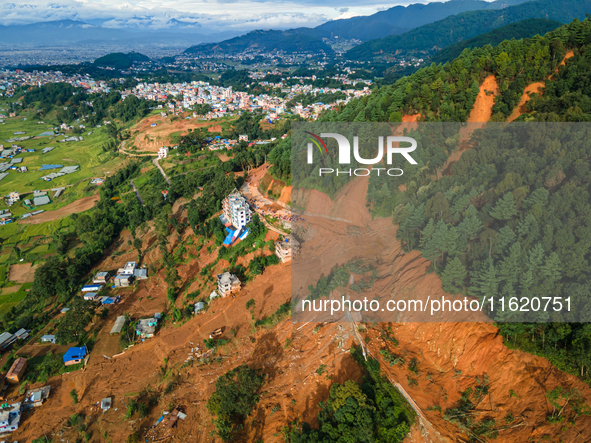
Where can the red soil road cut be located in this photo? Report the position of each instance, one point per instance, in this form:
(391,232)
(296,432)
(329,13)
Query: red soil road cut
(81,205)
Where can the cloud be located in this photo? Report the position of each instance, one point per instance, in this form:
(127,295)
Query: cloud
(208,16)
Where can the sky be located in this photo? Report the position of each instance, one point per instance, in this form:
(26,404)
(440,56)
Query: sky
(203,16)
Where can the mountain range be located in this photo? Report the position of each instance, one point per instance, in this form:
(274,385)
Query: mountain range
(75,32)
(434,36)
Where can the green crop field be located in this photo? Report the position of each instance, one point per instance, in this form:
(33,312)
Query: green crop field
(87,154)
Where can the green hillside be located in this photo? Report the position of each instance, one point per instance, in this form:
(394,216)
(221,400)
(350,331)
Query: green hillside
(119,60)
(264,41)
(523,29)
(430,38)
(509,219)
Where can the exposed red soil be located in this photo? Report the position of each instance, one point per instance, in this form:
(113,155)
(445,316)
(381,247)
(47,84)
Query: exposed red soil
(285,196)
(536,87)
(482,109)
(150,139)
(81,205)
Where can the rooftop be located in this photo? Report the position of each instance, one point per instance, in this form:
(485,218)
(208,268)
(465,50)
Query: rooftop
(74,354)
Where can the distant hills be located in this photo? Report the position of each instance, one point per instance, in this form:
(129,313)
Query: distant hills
(396,20)
(523,29)
(75,32)
(264,41)
(430,38)
(399,19)
(119,60)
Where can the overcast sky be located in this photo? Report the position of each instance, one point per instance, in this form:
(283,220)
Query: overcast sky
(209,15)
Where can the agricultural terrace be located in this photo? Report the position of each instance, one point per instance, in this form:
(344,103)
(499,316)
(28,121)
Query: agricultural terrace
(89,155)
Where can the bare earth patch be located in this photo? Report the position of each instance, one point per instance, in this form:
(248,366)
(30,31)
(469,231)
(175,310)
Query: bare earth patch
(22,273)
(81,205)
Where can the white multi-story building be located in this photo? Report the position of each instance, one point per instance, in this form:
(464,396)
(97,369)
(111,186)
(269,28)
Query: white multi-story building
(227,284)
(236,210)
(163,152)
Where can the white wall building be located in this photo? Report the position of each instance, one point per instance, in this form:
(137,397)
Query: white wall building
(236,210)
(163,152)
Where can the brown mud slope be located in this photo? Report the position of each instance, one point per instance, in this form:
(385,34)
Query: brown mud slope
(451,355)
(481,113)
(268,186)
(150,139)
(22,273)
(81,205)
(410,118)
(482,109)
(285,196)
(536,87)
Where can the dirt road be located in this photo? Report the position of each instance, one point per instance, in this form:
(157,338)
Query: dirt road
(84,204)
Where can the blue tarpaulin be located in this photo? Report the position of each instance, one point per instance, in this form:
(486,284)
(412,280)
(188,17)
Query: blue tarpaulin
(229,237)
(46,167)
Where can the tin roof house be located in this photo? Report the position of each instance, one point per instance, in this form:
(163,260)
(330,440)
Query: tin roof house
(74,356)
(35,397)
(146,327)
(17,370)
(101,277)
(10,418)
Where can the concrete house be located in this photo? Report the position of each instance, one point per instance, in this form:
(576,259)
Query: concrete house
(163,152)
(236,209)
(10,418)
(102,278)
(123,280)
(13,197)
(227,284)
(285,249)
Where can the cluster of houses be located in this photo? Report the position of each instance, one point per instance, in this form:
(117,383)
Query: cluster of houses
(123,278)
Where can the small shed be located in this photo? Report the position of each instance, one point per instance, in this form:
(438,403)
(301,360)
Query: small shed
(199,307)
(106,404)
(90,296)
(48,339)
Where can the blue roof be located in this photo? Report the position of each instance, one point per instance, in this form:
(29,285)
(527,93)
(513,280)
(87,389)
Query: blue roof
(46,167)
(75,354)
